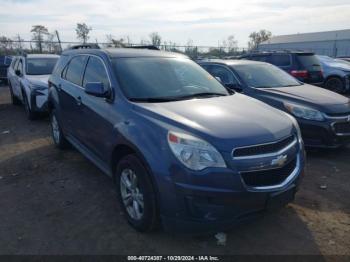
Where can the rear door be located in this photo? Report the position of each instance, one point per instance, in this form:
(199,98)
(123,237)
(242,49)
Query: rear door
(311,64)
(70,94)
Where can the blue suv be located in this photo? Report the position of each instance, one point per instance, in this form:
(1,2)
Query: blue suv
(181,148)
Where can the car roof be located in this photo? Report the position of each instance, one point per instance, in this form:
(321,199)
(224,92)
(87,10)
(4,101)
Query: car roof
(278,52)
(231,62)
(125,52)
(42,56)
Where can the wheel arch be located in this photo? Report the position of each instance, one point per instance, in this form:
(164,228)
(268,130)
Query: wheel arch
(127,148)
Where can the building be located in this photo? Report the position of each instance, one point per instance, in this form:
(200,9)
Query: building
(331,43)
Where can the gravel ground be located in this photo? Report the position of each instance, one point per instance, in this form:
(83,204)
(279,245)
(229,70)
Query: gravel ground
(55,202)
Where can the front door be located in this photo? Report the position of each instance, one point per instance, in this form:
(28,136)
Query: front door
(97,130)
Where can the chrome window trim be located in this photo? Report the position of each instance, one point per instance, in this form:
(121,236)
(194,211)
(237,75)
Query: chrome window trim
(289,179)
(293,143)
(109,78)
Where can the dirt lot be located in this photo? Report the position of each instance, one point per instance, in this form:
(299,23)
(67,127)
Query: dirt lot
(55,202)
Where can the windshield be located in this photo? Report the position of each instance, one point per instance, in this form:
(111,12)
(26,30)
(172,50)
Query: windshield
(264,76)
(165,79)
(40,66)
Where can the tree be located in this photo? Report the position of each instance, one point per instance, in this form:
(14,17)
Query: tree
(38,35)
(191,50)
(111,42)
(51,45)
(258,37)
(83,31)
(6,44)
(156,39)
(232,44)
(17,42)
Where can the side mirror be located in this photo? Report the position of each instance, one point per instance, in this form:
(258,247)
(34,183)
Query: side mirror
(236,87)
(18,72)
(95,89)
(219,79)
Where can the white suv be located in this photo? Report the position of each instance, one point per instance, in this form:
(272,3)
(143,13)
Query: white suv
(28,81)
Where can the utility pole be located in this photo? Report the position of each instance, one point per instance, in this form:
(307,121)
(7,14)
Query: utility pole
(58,39)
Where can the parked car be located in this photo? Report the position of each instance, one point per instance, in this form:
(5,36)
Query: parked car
(28,81)
(181,148)
(302,65)
(336,74)
(323,116)
(5,62)
(346,59)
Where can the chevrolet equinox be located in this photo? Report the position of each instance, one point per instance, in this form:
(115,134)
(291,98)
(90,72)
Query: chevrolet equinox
(183,150)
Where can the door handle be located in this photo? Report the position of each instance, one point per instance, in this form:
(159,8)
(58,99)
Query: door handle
(59,87)
(78,100)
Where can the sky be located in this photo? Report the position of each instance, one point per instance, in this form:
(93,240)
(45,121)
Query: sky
(205,22)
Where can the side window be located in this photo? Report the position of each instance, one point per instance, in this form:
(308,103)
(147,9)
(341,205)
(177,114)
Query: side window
(20,66)
(281,60)
(96,72)
(14,64)
(206,67)
(225,75)
(261,58)
(75,70)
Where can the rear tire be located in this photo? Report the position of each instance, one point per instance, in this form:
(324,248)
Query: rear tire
(14,99)
(136,194)
(335,84)
(57,136)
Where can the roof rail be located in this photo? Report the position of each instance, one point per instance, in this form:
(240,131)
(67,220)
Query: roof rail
(150,47)
(85,46)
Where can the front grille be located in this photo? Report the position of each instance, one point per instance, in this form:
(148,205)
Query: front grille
(342,127)
(263,149)
(268,177)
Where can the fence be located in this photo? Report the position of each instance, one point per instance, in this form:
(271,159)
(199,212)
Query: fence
(13,47)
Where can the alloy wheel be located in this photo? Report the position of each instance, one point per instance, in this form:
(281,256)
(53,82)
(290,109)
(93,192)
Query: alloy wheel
(131,195)
(55,129)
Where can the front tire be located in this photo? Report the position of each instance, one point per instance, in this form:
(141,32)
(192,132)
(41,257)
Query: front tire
(136,194)
(335,84)
(57,136)
(30,114)
(14,99)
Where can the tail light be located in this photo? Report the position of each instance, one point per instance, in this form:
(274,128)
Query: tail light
(300,73)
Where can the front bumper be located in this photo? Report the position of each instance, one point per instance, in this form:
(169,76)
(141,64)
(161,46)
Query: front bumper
(203,204)
(324,134)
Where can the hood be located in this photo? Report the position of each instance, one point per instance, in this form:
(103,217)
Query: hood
(309,95)
(338,65)
(225,122)
(41,80)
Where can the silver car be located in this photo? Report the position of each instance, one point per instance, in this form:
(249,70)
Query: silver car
(28,81)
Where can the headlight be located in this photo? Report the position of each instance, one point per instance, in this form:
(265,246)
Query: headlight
(194,153)
(296,125)
(304,112)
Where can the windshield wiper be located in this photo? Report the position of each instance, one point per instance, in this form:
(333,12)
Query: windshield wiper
(152,99)
(174,98)
(201,95)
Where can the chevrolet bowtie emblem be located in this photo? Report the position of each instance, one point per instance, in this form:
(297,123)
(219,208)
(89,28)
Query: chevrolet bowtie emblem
(279,161)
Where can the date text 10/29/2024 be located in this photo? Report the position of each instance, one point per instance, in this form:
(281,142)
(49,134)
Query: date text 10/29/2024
(173,258)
